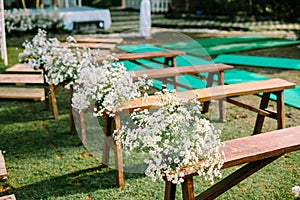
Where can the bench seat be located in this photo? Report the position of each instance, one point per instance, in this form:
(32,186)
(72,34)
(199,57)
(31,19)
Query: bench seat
(104,46)
(22,68)
(36,94)
(21,79)
(257,150)
(8,197)
(99,40)
(3,172)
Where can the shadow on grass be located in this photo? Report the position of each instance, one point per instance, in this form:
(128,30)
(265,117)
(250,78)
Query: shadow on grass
(83,181)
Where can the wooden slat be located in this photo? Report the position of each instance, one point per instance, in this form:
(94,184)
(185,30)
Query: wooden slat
(257,150)
(36,94)
(150,55)
(3,172)
(105,46)
(22,68)
(21,78)
(177,71)
(8,197)
(217,92)
(261,146)
(99,40)
(258,147)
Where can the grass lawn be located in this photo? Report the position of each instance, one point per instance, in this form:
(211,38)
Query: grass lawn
(45,161)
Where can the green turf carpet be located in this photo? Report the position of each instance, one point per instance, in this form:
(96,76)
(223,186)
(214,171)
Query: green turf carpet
(190,43)
(291,96)
(139,48)
(258,61)
(236,47)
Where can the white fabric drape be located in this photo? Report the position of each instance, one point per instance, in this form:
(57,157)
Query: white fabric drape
(145,18)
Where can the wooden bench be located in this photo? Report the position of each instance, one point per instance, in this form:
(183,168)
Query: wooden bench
(3,177)
(22,68)
(8,197)
(3,172)
(169,56)
(99,40)
(228,92)
(36,94)
(21,79)
(104,46)
(257,150)
(162,74)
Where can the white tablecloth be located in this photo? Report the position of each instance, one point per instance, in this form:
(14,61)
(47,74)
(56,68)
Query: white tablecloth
(84,14)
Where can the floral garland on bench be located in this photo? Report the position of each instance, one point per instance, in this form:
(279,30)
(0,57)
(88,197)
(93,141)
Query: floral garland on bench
(174,138)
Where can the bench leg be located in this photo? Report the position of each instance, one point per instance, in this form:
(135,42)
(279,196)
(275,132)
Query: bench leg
(235,178)
(53,101)
(172,62)
(280,110)
(118,155)
(188,188)
(72,122)
(47,102)
(260,118)
(222,111)
(209,83)
(82,127)
(170,190)
(107,141)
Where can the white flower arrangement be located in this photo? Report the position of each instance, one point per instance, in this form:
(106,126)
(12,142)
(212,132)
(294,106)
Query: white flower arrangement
(174,138)
(106,85)
(22,20)
(60,63)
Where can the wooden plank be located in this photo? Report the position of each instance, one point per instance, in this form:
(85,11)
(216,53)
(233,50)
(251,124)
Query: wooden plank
(99,40)
(257,150)
(8,197)
(261,146)
(3,172)
(21,78)
(36,94)
(217,92)
(104,46)
(177,71)
(150,55)
(146,55)
(258,147)
(22,68)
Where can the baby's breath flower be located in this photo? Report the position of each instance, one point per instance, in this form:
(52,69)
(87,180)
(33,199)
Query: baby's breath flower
(106,85)
(174,137)
(296,191)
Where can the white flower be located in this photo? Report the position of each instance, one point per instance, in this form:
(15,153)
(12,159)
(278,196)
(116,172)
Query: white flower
(174,136)
(61,64)
(296,191)
(107,86)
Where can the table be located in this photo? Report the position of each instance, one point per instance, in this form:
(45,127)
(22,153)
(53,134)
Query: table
(85,14)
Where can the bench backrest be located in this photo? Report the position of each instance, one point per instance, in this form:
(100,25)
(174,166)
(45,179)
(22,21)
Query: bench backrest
(217,92)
